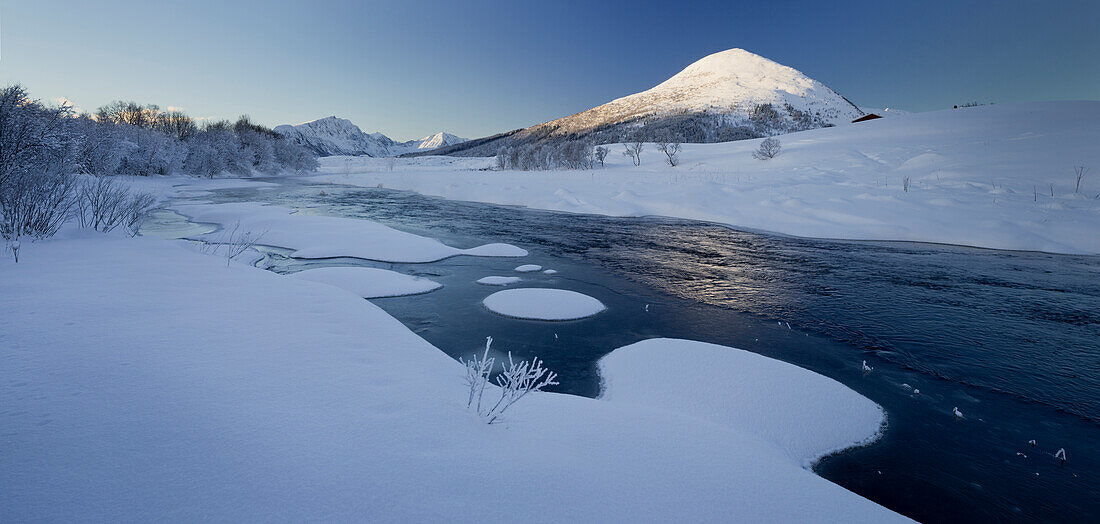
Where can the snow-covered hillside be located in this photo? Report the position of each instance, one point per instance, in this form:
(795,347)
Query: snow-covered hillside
(726,96)
(730,83)
(993,176)
(338,136)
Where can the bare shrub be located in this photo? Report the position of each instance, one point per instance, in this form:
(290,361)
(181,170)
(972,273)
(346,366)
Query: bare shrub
(769,148)
(515,381)
(905,184)
(103,205)
(35,205)
(1079,173)
(233,242)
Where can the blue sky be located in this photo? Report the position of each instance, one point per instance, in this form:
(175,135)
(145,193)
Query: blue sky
(477,67)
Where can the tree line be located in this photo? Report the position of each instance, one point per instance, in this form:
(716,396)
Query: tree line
(44,150)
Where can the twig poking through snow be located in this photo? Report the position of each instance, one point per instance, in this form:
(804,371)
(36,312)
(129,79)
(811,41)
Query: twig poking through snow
(515,381)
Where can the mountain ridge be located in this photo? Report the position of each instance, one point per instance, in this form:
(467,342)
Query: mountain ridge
(333,135)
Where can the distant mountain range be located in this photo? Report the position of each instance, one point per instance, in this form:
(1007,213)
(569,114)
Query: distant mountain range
(730,95)
(337,136)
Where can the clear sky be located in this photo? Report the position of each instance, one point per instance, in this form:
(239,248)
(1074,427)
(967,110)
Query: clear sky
(475,68)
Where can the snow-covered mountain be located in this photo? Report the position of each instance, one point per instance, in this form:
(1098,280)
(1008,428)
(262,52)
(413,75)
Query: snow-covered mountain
(338,136)
(439,139)
(730,95)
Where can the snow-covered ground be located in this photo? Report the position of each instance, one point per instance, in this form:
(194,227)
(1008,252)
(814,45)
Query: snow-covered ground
(978,176)
(141,379)
(369,282)
(543,304)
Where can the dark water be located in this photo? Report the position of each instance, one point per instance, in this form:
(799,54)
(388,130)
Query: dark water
(1010,338)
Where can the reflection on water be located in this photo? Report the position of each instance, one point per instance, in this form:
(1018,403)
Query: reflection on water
(1013,339)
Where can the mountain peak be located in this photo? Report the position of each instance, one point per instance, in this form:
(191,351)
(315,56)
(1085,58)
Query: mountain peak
(729,95)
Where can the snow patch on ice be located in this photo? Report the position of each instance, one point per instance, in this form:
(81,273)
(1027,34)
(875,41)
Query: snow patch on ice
(498,281)
(529,268)
(543,304)
(369,282)
(314,236)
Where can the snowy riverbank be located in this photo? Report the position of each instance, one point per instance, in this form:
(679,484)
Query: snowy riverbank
(144,380)
(993,176)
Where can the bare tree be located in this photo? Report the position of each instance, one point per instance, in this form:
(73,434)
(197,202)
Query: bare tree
(177,125)
(1079,172)
(769,148)
(601,154)
(634,151)
(502,158)
(670,146)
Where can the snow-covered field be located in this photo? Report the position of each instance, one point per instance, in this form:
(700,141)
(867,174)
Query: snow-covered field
(141,379)
(979,176)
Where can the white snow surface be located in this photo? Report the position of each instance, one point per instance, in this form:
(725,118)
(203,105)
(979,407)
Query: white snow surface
(314,236)
(528,268)
(628,373)
(543,304)
(144,381)
(979,176)
(498,281)
(369,282)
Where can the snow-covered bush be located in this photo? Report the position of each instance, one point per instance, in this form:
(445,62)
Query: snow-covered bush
(36,165)
(768,149)
(515,381)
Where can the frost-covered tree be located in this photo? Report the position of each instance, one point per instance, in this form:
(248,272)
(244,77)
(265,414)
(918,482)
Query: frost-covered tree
(670,146)
(634,151)
(769,148)
(601,154)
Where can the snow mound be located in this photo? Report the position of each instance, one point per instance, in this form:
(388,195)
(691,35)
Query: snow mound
(820,415)
(529,268)
(369,282)
(551,271)
(498,281)
(313,236)
(496,250)
(543,304)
